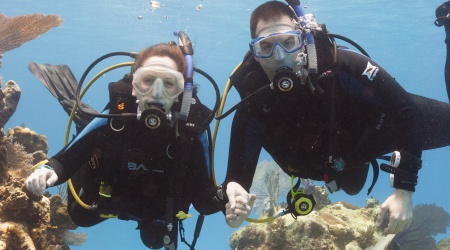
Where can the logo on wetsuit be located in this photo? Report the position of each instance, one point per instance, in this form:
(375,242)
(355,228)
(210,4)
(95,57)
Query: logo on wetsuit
(135,167)
(380,121)
(370,71)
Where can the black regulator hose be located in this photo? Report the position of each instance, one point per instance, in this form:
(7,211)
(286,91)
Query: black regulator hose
(83,77)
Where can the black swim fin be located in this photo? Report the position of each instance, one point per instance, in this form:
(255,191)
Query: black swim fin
(61,82)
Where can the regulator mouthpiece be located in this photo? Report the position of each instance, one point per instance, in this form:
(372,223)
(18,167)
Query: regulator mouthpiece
(154,117)
(284,79)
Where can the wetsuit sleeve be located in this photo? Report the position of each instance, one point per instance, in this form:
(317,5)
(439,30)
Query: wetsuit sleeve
(202,188)
(75,154)
(362,76)
(245,147)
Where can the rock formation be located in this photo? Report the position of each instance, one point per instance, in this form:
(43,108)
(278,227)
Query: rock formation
(332,226)
(28,221)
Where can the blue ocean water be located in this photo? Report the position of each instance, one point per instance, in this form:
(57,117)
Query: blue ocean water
(399,35)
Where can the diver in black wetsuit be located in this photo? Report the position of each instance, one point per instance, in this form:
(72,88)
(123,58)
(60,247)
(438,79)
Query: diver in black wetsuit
(125,167)
(324,117)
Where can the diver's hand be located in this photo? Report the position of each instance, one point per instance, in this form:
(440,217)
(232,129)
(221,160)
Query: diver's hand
(398,207)
(239,204)
(40,179)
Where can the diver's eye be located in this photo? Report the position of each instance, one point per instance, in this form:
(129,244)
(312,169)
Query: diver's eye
(168,84)
(289,43)
(266,48)
(148,80)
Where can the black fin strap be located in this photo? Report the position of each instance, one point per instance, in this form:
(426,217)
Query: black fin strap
(376,172)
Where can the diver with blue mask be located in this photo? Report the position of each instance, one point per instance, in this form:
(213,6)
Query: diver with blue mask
(343,112)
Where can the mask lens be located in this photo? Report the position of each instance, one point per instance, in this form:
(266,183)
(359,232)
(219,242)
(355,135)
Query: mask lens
(263,47)
(158,79)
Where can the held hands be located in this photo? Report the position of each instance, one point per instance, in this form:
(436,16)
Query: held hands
(398,207)
(40,179)
(239,204)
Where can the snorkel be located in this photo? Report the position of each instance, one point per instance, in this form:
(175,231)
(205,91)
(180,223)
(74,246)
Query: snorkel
(310,45)
(186,47)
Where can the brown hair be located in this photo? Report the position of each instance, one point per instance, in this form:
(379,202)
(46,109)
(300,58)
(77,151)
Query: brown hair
(170,50)
(271,10)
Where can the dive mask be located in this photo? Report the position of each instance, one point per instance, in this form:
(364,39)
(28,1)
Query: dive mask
(289,42)
(160,78)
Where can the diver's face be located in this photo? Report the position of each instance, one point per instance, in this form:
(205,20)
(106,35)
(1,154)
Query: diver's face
(279,57)
(157,82)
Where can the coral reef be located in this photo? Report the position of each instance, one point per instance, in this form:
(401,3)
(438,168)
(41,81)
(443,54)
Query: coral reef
(27,221)
(336,226)
(344,226)
(15,31)
(31,222)
(270,183)
(32,142)
(9,98)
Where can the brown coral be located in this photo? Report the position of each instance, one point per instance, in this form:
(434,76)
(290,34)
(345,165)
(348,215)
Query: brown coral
(16,200)
(15,234)
(29,139)
(29,221)
(329,228)
(18,161)
(9,98)
(15,31)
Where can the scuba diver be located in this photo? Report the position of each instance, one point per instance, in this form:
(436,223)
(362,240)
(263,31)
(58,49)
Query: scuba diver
(324,112)
(144,169)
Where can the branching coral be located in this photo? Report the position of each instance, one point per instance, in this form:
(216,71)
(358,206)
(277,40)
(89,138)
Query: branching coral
(29,221)
(15,31)
(18,160)
(31,140)
(14,234)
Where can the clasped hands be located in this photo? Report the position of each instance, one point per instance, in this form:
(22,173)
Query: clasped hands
(239,205)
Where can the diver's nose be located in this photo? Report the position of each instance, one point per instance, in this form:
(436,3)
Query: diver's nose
(158,88)
(278,52)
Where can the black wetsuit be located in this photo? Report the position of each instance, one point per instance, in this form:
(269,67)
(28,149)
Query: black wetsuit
(363,114)
(135,164)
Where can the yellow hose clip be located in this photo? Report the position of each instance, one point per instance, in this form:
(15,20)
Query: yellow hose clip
(108,216)
(182,215)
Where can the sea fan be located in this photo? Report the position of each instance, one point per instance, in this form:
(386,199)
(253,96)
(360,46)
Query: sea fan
(269,184)
(428,221)
(15,31)
(74,239)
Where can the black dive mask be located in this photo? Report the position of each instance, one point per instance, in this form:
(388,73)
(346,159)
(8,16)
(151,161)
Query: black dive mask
(154,117)
(284,79)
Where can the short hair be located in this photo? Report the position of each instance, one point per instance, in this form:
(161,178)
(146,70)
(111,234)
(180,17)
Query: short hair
(271,10)
(170,50)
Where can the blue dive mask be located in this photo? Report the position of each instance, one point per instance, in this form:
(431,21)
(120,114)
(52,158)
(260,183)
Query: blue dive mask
(289,42)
